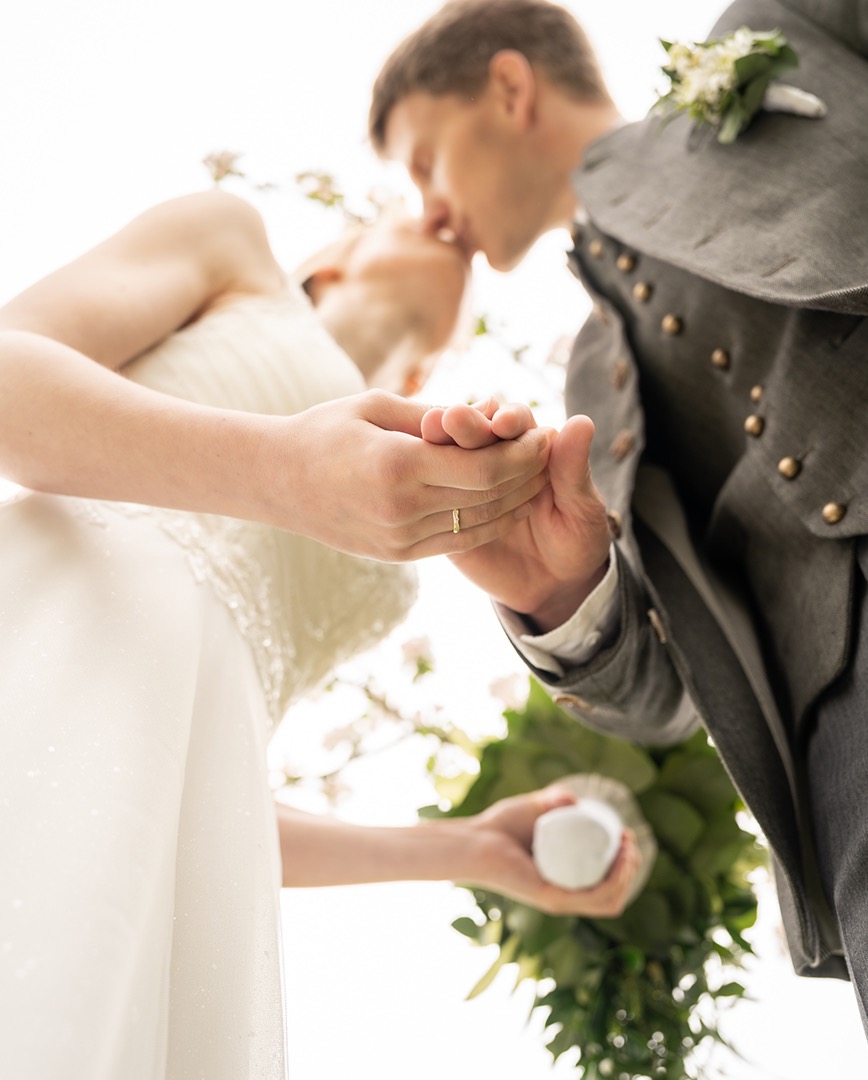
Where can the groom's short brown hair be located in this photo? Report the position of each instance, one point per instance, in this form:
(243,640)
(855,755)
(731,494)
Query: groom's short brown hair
(450,54)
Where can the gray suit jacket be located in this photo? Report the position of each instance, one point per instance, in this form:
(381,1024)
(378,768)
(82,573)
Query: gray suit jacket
(759,250)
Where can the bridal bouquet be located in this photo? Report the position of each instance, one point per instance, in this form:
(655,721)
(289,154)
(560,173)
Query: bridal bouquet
(725,82)
(634,996)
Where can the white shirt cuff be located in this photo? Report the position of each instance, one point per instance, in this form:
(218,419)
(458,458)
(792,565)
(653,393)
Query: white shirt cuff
(580,638)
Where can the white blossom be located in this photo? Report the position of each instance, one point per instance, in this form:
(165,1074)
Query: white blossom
(511,690)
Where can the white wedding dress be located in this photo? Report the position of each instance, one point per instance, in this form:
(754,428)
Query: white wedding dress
(145,656)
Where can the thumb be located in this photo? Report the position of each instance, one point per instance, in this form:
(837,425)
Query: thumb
(554,796)
(569,465)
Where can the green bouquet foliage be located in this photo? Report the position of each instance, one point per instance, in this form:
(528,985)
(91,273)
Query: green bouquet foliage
(634,993)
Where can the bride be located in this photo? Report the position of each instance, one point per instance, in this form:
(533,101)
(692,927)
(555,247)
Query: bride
(209,495)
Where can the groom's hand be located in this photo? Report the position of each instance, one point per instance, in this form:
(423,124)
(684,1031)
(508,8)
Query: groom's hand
(548,564)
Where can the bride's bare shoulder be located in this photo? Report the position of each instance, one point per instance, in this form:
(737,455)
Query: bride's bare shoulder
(163,270)
(226,232)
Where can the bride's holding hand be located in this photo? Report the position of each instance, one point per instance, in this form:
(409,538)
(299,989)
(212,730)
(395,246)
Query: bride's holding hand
(192,429)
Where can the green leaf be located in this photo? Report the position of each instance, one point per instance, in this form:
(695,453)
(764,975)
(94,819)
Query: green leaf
(732,124)
(625,762)
(648,921)
(750,66)
(633,959)
(505,956)
(676,824)
(786,60)
(752,97)
(699,778)
(722,842)
(467,927)
(567,962)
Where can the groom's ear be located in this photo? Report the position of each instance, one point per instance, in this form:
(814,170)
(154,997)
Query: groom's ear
(512,82)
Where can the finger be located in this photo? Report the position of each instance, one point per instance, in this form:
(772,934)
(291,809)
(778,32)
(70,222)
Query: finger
(608,898)
(453,476)
(469,426)
(553,796)
(488,406)
(431,427)
(465,422)
(492,521)
(512,420)
(513,497)
(392,413)
(616,886)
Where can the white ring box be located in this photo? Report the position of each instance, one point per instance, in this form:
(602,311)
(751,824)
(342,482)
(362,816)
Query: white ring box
(574,846)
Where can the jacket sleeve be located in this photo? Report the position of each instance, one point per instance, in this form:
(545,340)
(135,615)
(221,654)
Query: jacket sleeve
(630,688)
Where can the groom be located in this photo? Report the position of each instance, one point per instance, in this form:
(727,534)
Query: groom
(715,567)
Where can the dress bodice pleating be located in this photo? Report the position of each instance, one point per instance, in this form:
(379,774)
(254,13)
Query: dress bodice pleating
(301,607)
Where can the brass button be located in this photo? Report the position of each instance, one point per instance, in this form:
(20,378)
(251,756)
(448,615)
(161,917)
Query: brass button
(756,393)
(754,425)
(833,512)
(657,623)
(596,248)
(573,701)
(621,445)
(620,373)
(720,359)
(789,467)
(625,262)
(642,292)
(671,324)
(615,524)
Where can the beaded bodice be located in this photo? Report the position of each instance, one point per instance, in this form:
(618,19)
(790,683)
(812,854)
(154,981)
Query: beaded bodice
(301,607)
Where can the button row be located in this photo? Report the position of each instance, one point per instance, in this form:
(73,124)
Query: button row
(673,325)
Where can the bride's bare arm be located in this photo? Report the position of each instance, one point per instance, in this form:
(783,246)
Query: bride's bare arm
(159,272)
(351,473)
(491,850)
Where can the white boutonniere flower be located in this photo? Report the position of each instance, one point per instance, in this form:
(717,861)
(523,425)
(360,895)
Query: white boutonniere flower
(725,82)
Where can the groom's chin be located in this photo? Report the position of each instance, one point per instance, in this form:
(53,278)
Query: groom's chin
(504,261)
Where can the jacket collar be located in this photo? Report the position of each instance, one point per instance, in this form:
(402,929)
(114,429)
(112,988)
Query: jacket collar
(846,20)
(780,213)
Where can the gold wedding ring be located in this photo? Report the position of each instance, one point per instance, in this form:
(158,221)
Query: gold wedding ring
(456,521)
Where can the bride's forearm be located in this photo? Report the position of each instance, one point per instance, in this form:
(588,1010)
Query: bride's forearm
(318,850)
(491,850)
(72,427)
(351,472)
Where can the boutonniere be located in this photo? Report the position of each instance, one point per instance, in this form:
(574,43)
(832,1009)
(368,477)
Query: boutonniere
(726,81)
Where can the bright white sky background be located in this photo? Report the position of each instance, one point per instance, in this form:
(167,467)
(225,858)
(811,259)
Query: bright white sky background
(108,106)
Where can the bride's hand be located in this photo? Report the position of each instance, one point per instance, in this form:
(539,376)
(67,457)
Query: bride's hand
(357,475)
(507,866)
